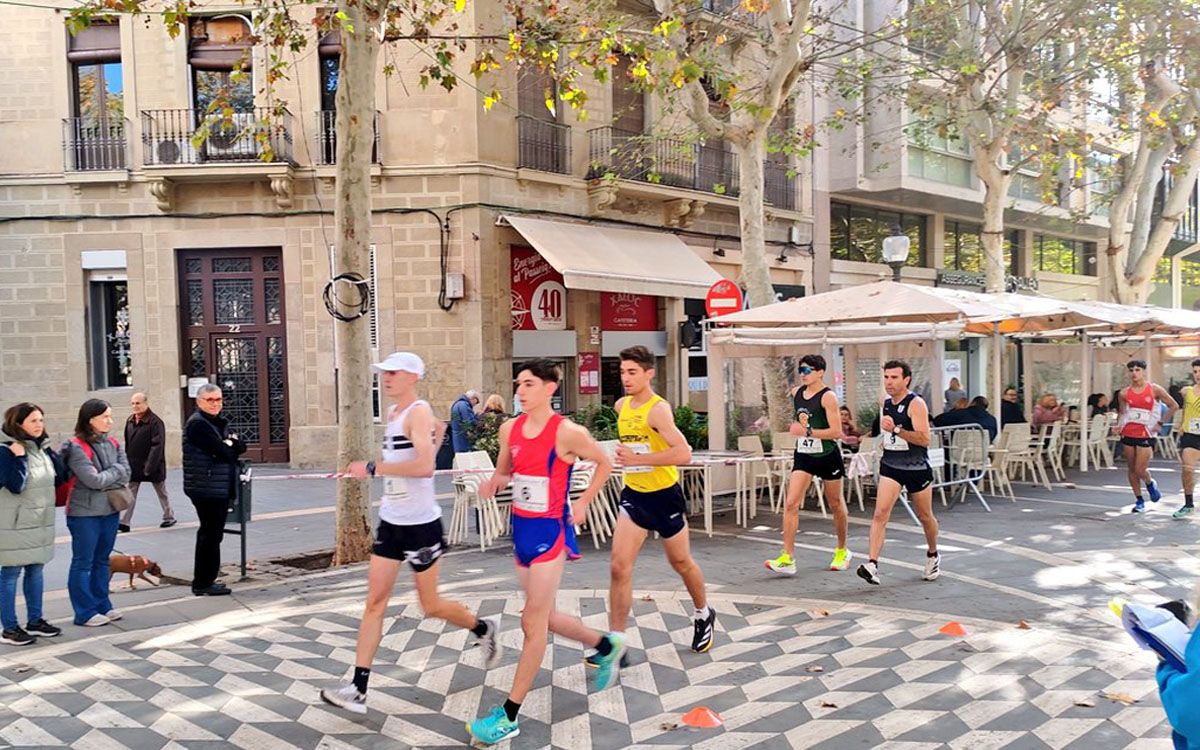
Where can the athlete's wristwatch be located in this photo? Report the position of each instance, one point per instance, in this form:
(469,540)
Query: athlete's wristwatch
(808,432)
(896,430)
(371,468)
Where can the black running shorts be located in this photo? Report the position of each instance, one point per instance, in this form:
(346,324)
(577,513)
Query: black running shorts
(420,545)
(1189,440)
(913,480)
(827,466)
(1137,442)
(663,511)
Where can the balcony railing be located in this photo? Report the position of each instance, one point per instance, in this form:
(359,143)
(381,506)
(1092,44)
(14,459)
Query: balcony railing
(779,188)
(325,148)
(662,161)
(1188,228)
(251,136)
(91,145)
(544,146)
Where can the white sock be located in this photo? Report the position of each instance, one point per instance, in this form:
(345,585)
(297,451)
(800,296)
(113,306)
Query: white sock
(700,614)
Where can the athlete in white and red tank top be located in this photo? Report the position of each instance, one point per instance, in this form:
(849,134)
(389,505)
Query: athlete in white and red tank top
(1138,426)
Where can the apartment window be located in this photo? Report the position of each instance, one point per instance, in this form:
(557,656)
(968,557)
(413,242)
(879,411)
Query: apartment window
(628,100)
(1101,175)
(936,152)
(963,248)
(1063,255)
(108,330)
(857,232)
(218,47)
(96,130)
(542,142)
(329,51)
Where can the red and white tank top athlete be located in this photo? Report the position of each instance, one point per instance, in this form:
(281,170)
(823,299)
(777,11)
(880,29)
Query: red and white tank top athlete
(540,480)
(1140,412)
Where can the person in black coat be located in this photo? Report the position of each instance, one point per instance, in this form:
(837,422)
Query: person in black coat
(1010,408)
(210,457)
(145,444)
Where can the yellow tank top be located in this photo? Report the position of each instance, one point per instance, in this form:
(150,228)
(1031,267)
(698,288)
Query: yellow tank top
(634,428)
(1191,410)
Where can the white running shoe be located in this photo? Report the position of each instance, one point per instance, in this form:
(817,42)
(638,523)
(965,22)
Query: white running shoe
(490,644)
(96,621)
(113,615)
(346,696)
(869,572)
(933,567)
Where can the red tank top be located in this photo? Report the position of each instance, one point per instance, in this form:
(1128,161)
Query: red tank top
(541,480)
(1136,407)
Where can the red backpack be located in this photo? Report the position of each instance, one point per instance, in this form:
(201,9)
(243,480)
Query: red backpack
(62,493)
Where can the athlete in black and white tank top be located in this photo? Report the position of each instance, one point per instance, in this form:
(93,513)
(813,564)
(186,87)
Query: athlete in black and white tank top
(898,453)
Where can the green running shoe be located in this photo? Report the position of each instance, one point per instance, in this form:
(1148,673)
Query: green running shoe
(492,728)
(1183,512)
(608,668)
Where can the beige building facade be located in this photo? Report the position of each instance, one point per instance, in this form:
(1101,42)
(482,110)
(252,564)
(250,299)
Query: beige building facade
(133,258)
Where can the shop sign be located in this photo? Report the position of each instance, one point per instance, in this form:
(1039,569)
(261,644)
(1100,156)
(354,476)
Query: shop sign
(589,373)
(628,312)
(974,280)
(539,299)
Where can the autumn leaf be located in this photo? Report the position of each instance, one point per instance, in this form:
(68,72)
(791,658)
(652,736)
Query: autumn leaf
(820,613)
(1085,703)
(1124,698)
(827,704)
(460,6)
(1022,625)
(814,668)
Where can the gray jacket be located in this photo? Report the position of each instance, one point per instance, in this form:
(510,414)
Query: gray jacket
(27,515)
(93,478)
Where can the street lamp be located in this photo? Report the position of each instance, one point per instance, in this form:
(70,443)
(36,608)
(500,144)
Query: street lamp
(895,250)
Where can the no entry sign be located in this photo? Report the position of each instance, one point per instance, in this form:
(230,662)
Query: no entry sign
(723,298)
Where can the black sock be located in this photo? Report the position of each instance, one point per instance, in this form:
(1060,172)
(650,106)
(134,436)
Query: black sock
(361,674)
(874,562)
(511,709)
(480,629)
(1139,498)
(604,647)
(1187,501)
(931,553)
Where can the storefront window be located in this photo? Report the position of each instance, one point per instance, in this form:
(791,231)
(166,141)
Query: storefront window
(857,233)
(1190,284)
(1160,284)
(964,248)
(1062,255)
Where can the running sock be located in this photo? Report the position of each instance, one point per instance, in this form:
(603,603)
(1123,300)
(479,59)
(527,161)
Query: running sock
(604,647)
(1139,498)
(511,709)
(480,629)
(1187,501)
(700,614)
(361,674)
(931,553)
(874,562)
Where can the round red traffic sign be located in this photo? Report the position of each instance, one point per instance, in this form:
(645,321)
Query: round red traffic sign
(723,297)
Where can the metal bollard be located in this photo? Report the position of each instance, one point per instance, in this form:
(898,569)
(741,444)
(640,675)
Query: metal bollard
(240,507)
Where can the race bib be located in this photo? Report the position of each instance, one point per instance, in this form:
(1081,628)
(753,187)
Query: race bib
(1141,416)
(1194,426)
(531,494)
(641,449)
(396,487)
(893,442)
(809,445)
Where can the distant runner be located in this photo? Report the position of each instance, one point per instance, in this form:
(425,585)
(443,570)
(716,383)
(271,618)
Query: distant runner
(1137,425)
(1189,441)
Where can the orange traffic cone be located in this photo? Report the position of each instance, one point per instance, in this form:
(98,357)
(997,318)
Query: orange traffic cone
(953,628)
(703,718)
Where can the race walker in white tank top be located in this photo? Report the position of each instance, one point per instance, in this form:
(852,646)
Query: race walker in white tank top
(407,501)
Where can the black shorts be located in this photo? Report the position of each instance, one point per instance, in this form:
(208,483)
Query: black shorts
(913,480)
(1138,442)
(420,545)
(1189,440)
(828,466)
(663,511)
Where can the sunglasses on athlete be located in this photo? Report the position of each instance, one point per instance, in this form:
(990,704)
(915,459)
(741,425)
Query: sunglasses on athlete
(806,370)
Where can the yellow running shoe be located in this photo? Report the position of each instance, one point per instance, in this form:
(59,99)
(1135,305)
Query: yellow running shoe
(783,564)
(841,559)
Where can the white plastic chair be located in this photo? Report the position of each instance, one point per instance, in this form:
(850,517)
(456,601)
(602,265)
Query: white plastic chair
(753,475)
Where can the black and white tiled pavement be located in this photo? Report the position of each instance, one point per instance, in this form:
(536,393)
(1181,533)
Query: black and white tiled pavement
(784,673)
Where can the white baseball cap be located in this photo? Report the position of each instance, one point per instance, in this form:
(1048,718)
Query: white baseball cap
(401,362)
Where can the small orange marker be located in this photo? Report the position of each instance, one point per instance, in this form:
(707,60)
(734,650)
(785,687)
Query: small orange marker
(704,718)
(953,628)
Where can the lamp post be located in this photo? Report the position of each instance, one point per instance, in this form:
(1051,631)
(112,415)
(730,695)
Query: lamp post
(895,250)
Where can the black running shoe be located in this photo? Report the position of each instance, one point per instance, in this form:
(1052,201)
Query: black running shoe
(42,628)
(702,639)
(16,637)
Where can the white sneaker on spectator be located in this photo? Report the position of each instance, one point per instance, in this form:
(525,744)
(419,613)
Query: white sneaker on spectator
(96,621)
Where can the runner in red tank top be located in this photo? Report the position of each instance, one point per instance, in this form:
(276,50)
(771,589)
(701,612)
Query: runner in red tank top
(538,451)
(1138,426)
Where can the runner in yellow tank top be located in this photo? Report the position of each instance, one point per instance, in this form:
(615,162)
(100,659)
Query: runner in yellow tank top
(651,448)
(1189,441)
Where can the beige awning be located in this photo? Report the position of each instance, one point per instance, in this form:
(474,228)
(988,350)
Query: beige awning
(612,259)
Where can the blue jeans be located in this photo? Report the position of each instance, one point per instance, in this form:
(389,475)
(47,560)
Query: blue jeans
(8,593)
(92,540)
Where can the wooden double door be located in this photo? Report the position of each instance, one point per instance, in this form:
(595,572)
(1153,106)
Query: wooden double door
(232,320)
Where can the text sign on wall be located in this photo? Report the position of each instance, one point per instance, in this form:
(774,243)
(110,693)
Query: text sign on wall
(628,312)
(589,373)
(539,299)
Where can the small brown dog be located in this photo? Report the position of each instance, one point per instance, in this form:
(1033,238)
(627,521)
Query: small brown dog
(134,565)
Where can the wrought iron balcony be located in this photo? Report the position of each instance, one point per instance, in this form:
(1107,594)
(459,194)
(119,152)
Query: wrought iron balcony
(779,188)
(325,147)
(94,145)
(662,161)
(544,146)
(173,137)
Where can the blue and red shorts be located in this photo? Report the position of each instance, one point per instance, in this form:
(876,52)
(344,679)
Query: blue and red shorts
(539,540)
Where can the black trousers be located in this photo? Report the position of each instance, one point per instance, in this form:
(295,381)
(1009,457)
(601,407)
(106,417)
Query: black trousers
(212,514)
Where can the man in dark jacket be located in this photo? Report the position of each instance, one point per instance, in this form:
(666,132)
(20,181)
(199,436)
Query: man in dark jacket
(462,416)
(1010,407)
(145,440)
(976,412)
(210,455)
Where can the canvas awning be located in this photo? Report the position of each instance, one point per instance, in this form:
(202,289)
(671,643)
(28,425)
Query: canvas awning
(615,259)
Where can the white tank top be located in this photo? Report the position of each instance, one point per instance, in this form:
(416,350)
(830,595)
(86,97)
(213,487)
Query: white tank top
(407,501)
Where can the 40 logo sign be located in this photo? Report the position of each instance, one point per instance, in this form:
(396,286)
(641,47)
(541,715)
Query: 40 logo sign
(539,299)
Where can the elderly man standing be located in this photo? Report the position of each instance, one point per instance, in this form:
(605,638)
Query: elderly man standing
(462,416)
(210,455)
(145,439)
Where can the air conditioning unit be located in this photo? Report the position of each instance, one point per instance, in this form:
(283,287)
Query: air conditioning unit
(231,140)
(172,151)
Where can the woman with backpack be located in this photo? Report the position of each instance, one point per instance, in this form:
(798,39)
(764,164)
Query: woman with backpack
(100,474)
(29,471)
